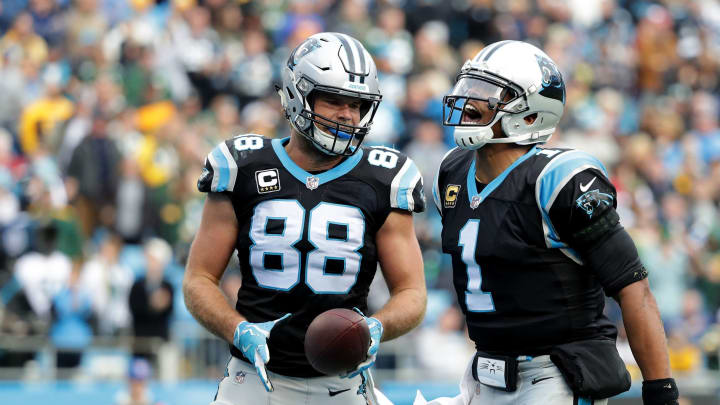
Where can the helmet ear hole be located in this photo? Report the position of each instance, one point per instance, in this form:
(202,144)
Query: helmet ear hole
(530,118)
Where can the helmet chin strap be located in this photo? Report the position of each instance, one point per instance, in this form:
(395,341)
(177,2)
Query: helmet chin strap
(475,137)
(315,142)
(341,136)
(472,137)
(482,136)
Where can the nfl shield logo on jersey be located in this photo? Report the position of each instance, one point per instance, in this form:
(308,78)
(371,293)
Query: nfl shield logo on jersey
(312,182)
(240,377)
(475,202)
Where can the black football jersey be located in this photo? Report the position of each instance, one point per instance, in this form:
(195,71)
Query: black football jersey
(306,242)
(521,284)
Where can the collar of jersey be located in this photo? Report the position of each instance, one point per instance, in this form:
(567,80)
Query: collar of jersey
(472,187)
(324,177)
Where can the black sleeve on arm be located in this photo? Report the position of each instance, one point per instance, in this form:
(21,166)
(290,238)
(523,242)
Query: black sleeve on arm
(614,260)
(585,219)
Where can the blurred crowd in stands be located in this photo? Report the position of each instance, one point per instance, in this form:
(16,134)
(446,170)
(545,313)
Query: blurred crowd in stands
(108,108)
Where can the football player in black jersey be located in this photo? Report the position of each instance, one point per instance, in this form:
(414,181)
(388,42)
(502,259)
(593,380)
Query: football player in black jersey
(310,217)
(536,244)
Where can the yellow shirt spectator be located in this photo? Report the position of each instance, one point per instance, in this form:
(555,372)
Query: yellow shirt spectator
(158,161)
(156,156)
(685,357)
(39,119)
(21,43)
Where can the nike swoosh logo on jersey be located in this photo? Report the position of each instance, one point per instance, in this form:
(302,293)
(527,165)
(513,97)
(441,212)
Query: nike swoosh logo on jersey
(537,380)
(585,187)
(245,348)
(333,393)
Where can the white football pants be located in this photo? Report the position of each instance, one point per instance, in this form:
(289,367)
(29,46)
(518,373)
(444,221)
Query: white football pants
(539,383)
(242,386)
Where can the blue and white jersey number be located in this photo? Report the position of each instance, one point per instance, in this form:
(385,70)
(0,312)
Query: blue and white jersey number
(277,225)
(475,299)
(289,215)
(383,157)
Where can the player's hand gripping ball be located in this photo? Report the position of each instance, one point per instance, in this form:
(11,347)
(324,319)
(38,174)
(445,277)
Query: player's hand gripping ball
(337,341)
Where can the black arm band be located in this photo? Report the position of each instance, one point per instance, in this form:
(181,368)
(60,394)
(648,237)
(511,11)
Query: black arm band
(660,392)
(614,260)
(597,230)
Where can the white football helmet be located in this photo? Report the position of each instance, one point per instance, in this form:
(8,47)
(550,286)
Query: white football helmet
(333,63)
(516,80)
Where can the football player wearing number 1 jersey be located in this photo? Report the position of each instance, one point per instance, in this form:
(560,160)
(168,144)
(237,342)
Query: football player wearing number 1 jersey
(310,217)
(536,245)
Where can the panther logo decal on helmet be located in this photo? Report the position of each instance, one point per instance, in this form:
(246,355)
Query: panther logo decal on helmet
(302,50)
(552,81)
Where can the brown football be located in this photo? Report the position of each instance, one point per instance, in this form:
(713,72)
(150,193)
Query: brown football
(337,341)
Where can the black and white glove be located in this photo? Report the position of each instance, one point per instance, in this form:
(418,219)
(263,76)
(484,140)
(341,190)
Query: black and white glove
(660,392)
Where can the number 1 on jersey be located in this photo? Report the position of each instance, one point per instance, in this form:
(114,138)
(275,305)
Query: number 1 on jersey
(476,300)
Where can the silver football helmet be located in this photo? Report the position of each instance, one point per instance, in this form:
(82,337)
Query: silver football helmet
(516,80)
(333,63)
